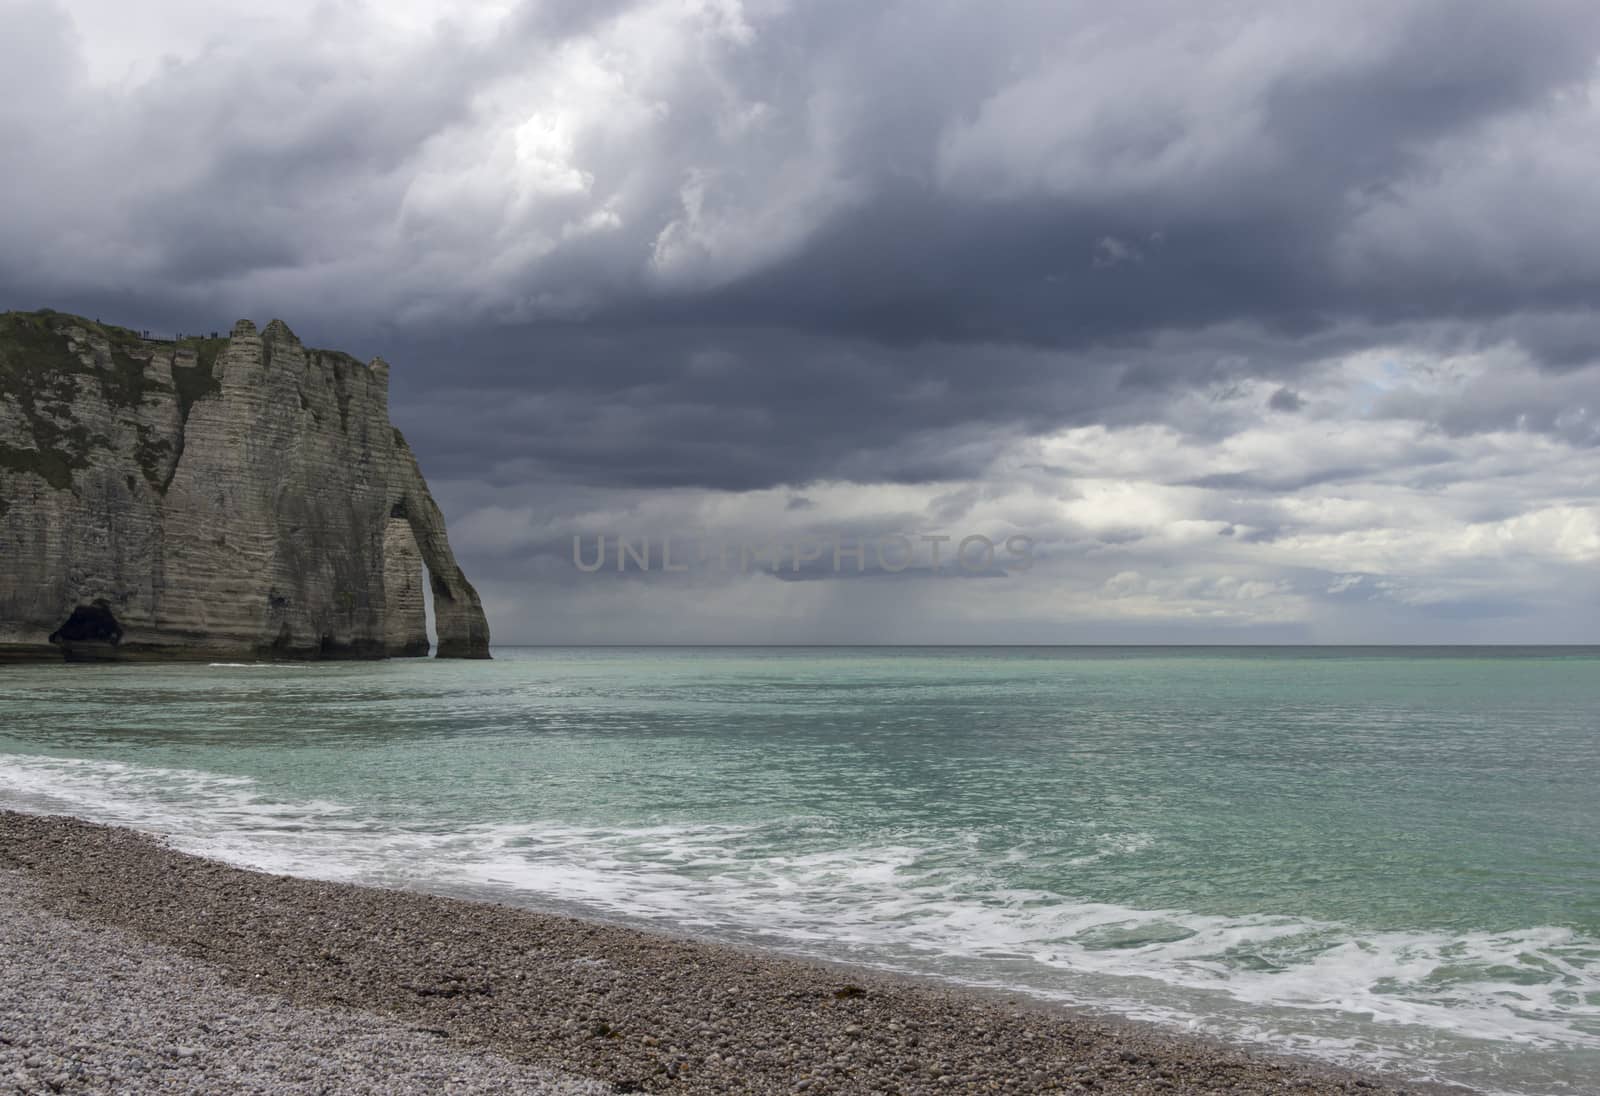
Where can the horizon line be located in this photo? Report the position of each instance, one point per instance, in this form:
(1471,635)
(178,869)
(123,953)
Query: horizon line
(1596,645)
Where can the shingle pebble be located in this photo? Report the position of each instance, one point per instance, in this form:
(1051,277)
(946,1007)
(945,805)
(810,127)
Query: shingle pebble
(118,954)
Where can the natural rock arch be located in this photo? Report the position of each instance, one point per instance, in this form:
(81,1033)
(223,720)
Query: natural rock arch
(458,618)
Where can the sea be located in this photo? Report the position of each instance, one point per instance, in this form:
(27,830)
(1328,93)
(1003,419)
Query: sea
(1381,857)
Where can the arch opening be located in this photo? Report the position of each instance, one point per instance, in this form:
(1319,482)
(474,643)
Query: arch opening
(430,618)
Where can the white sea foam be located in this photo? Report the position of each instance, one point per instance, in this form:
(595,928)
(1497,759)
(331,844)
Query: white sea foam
(1412,999)
(262,666)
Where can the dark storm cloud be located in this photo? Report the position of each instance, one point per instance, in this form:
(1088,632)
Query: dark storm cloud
(826,241)
(741,408)
(991,206)
(1286,399)
(1558,341)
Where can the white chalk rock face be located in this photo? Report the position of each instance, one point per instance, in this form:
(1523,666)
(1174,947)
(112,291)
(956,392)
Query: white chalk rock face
(405,609)
(244,497)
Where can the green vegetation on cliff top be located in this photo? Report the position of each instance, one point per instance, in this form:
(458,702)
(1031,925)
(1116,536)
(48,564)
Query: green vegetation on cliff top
(48,358)
(42,374)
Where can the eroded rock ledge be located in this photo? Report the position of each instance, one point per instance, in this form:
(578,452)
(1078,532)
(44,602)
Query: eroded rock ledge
(239,497)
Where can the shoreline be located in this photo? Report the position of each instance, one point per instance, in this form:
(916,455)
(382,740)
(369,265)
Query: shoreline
(638,1010)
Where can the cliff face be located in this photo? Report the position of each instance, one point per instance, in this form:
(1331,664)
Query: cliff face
(217,498)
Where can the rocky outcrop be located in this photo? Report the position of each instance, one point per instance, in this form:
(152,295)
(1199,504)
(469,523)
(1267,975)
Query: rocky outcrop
(405,622)
(215,498)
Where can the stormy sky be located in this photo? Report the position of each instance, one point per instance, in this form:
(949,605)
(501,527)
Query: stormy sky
(1266,322)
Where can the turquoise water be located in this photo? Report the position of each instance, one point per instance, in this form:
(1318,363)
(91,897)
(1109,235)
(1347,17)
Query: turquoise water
(1378,856)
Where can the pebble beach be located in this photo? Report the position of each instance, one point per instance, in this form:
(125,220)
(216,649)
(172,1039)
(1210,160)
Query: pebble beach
(128,966)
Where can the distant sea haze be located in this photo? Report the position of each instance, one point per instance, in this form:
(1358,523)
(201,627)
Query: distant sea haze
(1380,856)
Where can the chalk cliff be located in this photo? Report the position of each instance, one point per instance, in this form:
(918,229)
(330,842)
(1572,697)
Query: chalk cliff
(244,497)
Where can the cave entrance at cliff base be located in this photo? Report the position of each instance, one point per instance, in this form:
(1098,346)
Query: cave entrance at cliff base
(92,631)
